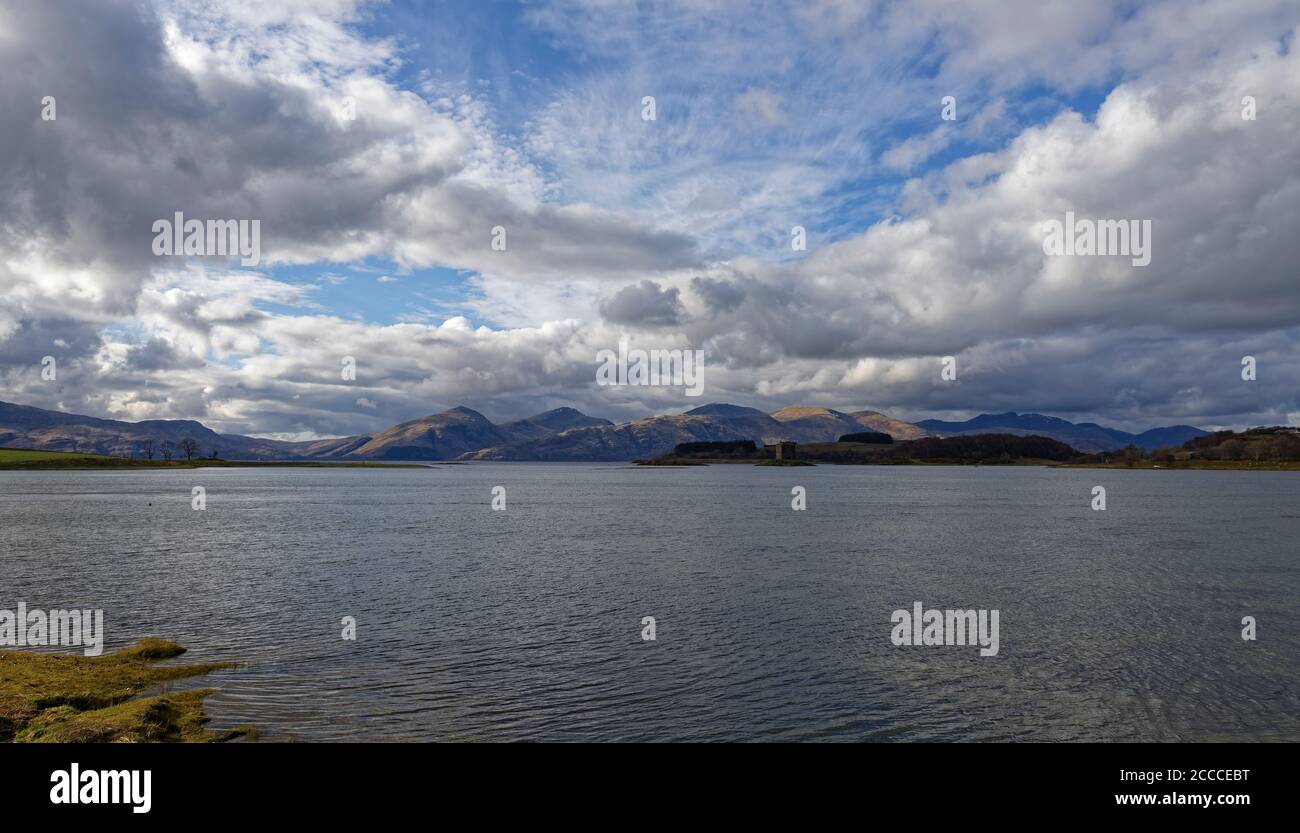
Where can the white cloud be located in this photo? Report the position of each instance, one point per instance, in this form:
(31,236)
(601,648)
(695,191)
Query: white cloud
(760,105)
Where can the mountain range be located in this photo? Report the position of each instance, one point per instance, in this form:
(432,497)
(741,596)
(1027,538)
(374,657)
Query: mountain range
(1084,436)
(562,434)
(660,434)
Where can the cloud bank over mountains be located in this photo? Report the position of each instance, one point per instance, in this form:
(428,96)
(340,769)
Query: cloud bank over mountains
(924,235)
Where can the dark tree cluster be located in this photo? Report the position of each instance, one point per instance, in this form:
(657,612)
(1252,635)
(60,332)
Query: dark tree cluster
(1271,444)
(872,437)
(734,447)
(982,448)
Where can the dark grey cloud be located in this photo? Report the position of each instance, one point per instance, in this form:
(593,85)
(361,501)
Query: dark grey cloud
(718,295)
(646,304)
(157,354)
(144,131)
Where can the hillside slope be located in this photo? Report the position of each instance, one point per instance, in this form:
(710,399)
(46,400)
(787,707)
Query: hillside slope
(658,435)
(440,436)
(1084,436)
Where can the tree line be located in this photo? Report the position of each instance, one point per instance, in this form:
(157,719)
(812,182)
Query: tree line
(186,446)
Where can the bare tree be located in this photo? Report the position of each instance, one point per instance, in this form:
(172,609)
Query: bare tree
(147,446)
(167,450)
(189,447)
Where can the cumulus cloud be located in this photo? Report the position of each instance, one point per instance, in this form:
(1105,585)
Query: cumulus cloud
(645,303)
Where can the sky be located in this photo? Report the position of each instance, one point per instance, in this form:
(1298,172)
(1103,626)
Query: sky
(380,144)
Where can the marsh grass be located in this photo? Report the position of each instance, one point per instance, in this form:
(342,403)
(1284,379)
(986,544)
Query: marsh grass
(70,698)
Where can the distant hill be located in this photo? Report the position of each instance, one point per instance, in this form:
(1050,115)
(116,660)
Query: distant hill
(551,422)
(716,422)
(819,423)
(1276,444)
(885,424)
(1084,436)
(440,436)
(448,435)
(1170,437)
(628,441)
(25,427)
(725,411)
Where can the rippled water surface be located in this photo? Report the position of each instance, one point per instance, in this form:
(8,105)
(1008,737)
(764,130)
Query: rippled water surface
(772,624)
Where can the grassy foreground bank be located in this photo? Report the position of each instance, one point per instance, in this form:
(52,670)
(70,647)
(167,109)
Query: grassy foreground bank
(25,460)
(71,698)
